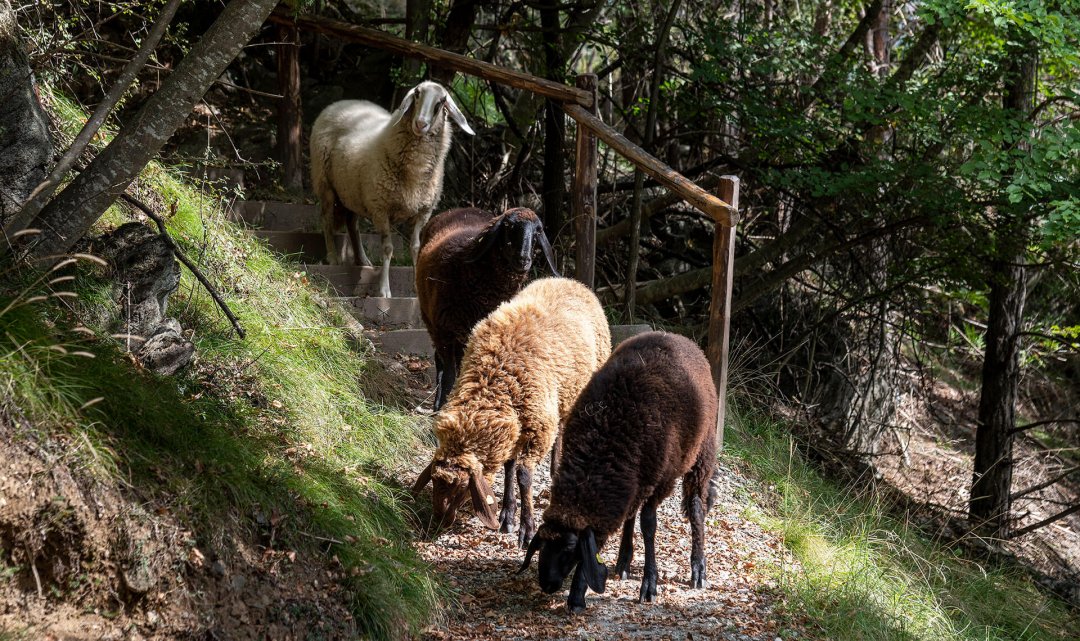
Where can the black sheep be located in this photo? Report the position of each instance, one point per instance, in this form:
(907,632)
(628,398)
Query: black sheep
(646,419)
(470,262)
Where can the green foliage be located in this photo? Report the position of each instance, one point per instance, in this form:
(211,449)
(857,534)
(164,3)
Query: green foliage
(863,574)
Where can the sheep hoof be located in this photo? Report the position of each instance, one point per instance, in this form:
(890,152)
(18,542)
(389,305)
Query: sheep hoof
(524,538)
(575,608)
(623,574)
(697,579)
(506,524)
(648,590)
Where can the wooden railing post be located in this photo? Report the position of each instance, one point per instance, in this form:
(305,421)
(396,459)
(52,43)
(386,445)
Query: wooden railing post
(720,308)
(584,196)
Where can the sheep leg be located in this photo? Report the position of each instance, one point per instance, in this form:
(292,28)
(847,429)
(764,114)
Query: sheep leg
(445,375)
(528,525)
(414,245)
(576,603)
(359,257)
(509,505)
(387,253)
(326,205)
(556,452)
(626,550)
(648,532)
(697,551)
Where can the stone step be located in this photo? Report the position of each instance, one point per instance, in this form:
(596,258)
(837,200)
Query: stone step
(277,216)
(350,280)
(384,312)
(406,341)
(310,247)
(417,341)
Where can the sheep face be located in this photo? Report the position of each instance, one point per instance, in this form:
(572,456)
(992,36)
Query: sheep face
(564,551)
(427,104)
(451,484)
(514,238)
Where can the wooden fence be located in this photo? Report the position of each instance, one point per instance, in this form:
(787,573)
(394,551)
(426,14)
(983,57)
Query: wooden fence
(580,103)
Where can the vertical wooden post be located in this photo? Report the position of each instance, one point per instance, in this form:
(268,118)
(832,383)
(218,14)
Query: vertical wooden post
(584,196)
(290,145)
(720,308)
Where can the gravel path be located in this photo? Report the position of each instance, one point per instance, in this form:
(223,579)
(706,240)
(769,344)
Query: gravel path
(742,603)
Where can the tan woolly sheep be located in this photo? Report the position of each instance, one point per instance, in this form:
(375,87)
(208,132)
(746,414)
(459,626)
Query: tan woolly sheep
(524,366)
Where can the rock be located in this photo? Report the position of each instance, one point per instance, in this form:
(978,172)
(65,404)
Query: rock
(217,568)
(146,272)
(166,352)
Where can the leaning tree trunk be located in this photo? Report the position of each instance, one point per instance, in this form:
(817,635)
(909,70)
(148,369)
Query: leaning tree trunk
(25,145)
(554,186)
(992,479)
(71,214)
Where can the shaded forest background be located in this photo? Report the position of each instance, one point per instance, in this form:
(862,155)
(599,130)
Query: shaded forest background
(907,261)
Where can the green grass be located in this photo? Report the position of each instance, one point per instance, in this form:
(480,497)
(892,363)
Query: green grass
(273,424)
(864,574)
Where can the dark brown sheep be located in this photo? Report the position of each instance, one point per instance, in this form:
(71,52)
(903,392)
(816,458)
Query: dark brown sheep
(645,420)
(470,262)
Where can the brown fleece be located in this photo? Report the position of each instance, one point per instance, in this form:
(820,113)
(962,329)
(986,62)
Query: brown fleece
(647,418)
(456,288)
(524,366)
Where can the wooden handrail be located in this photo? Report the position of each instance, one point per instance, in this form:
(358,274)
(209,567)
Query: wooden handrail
(457,62)
(720,211)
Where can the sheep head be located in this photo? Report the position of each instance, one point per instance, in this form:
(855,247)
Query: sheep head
(513,238)
(453,480)
(562,551)
(428,103)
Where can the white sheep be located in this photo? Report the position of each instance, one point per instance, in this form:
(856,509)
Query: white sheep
(382,166)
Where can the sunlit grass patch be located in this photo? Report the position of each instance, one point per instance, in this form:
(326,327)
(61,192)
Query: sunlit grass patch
(865,574)
(274,424)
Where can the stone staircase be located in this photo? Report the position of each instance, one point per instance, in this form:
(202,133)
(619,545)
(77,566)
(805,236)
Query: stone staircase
(294,230)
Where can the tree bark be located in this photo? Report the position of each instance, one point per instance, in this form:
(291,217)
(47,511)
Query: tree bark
(554,187)
(992,478)
(290,110)
(74,210)
(25,145)
(455,37)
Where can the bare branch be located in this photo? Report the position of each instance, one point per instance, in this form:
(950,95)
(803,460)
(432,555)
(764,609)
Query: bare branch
(1045,484)
(144,208)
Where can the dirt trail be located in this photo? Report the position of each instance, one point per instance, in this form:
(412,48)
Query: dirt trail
(741,604)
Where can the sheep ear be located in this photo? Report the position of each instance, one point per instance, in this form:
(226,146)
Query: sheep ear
(595,572)
(406,103)
(483,500)
(549,256)
(457,116)
(423,479)
(485,241)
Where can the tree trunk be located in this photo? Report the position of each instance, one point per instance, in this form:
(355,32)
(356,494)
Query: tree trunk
(290,113)
(992,479)
(71,213)
(630,288)
(455,37)
(25,145)
(554,187)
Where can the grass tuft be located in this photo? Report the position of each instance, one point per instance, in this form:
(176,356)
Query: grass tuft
(865,574)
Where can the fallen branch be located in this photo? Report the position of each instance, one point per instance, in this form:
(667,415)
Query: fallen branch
(1052,421)
(144,208)
(1043,523)
(1044,484)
